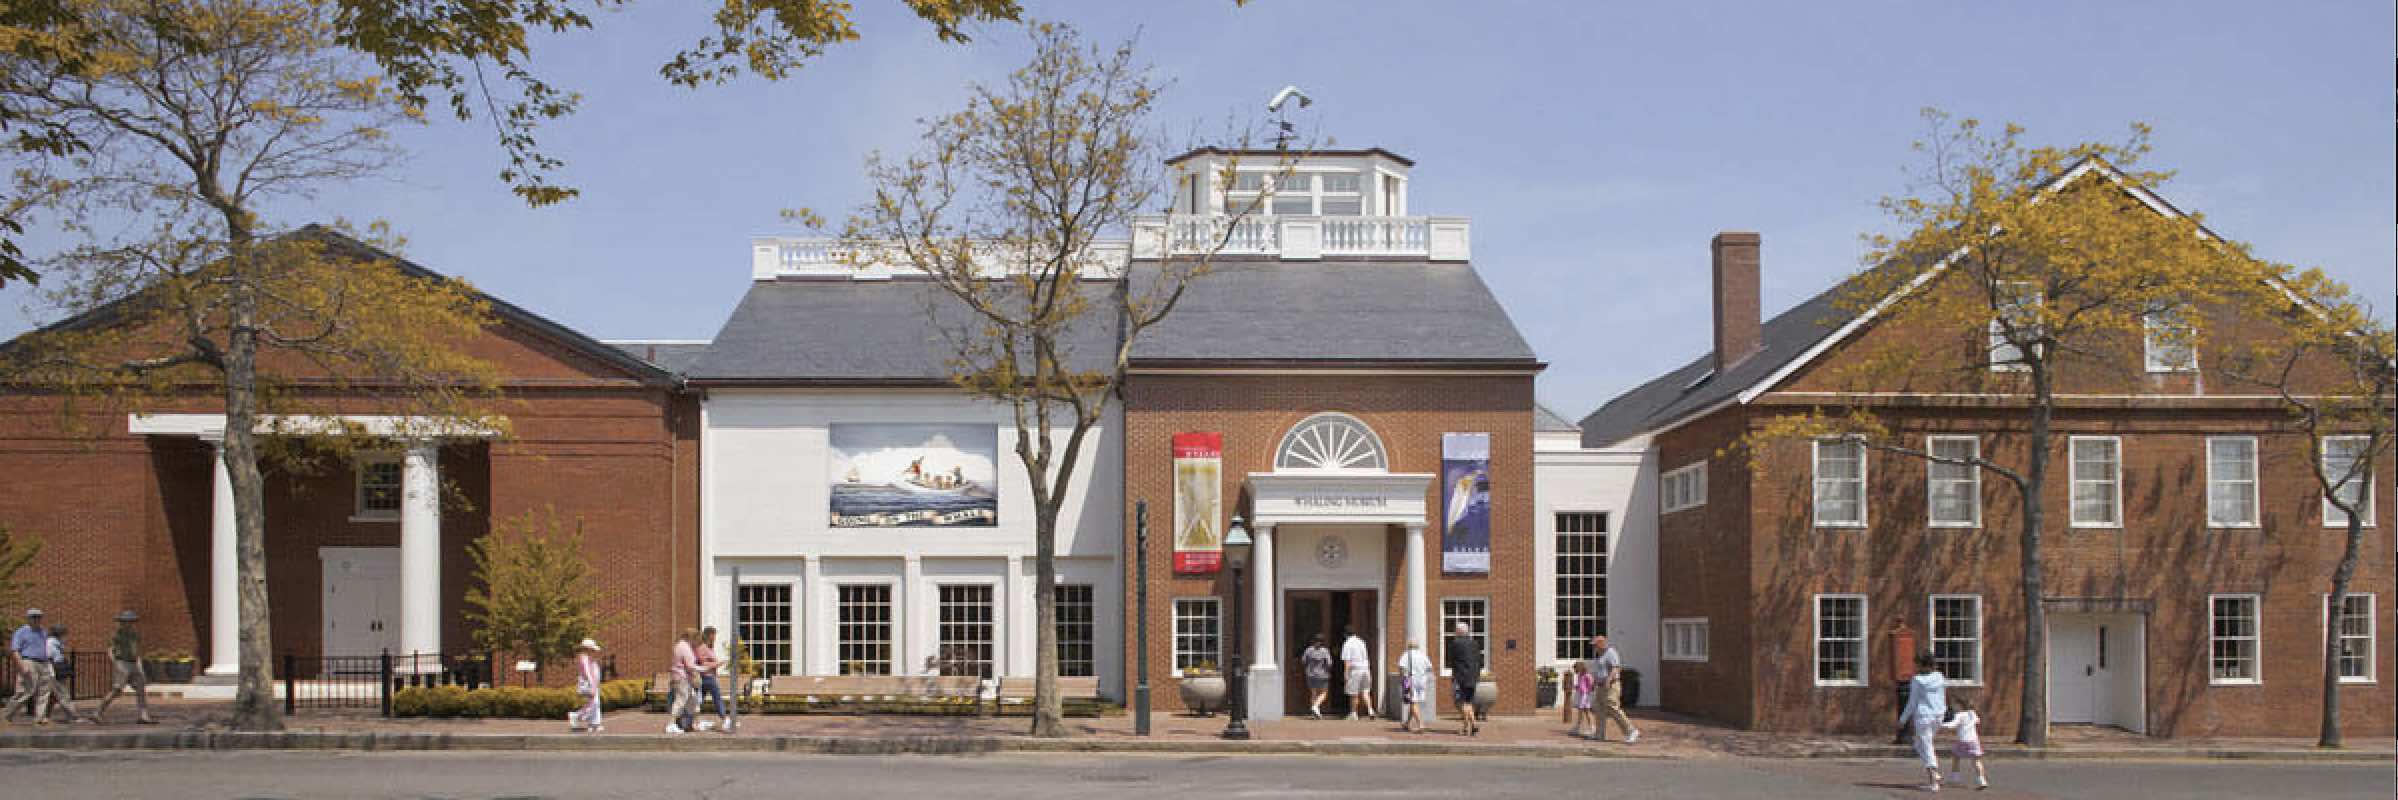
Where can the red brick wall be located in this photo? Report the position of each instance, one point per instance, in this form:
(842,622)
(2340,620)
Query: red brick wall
(1703,567)
(1410,413)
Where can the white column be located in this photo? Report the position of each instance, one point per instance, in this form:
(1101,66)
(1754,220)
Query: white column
(420,549)
(914,641)
(1418,606)
(814,617)
(224,600)
(1265,677)
(1019,592)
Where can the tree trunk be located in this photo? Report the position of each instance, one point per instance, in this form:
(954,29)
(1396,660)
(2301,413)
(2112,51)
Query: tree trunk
(254,698)
(1049,710)
(2031,726)
(2330,735)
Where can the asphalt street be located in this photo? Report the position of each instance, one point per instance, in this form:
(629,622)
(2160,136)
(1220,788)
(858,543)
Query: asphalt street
(252,774)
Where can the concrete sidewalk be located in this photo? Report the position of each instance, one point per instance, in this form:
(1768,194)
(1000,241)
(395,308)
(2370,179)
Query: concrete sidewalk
(199,725)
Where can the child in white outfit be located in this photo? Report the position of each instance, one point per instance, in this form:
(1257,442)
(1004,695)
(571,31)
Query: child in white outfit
(1968,726)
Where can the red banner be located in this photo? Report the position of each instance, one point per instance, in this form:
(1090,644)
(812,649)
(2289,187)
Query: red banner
(1198,502)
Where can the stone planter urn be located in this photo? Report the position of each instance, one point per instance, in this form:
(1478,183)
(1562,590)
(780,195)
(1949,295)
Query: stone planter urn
(1486,694)
(1203,693)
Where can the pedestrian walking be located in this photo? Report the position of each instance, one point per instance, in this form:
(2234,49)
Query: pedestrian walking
(1927,705)
(1607,670)
(62,677)
(1415,685)
(1465,676)
(1585,687)
(125,670)
(587,686)
(1359,667)
(681,683)
(1968,746)
(1316,662)
(29,648)
(709,665)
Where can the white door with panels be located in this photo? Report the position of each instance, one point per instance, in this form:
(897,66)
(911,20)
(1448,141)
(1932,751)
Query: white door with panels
(2095,670)
(362,600)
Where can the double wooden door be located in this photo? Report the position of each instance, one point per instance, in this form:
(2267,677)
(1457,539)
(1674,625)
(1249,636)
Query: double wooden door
(1309,613)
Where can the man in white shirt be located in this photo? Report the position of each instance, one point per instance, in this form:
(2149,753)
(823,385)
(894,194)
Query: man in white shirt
(1360,669)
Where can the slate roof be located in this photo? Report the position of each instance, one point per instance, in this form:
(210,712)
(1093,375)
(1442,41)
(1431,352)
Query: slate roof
(1406,311)
(1547,420)
(1658,402)
(673,356)
(853,332)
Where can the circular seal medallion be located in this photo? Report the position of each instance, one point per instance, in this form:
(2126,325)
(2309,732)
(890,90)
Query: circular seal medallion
(1331,552)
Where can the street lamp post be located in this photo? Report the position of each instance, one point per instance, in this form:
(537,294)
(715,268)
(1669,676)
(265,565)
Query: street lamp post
(1236,556)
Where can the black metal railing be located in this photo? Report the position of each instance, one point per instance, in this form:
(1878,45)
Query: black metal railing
(367,682)
(83,674)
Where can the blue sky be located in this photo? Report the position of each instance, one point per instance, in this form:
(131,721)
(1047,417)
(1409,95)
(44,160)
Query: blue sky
(1596,146)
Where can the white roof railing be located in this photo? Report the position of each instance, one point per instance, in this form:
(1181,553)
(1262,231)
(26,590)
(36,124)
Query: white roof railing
(1289,238)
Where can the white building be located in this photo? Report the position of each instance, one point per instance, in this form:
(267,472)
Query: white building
(1596,544)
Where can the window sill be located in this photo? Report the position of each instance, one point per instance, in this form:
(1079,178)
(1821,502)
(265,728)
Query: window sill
(2341,526)
(376,518)
(1843,685)
(1684,659)
(1966,684)
(2235,682)
(2097,526)
(2243,526)
(1844,526)
(1684,508)
(2358,681)
(1955,526)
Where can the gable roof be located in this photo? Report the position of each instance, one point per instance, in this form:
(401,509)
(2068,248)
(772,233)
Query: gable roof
(840,331)
(340,244)
(1797,337)
(672,355)
(1395,311)
(1546,420)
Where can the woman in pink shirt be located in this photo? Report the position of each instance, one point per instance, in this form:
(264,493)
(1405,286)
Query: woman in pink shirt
(587,684)
(705,655)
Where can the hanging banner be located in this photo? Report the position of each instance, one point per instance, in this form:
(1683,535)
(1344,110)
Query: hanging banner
(1198,502)
(1465,503)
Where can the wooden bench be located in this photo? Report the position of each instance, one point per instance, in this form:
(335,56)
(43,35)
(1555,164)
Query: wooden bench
(1080,696)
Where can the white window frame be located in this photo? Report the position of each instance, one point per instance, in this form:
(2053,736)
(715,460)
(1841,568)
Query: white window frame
(2256,510)
(2256,653)
(1215,613)
(1684,639)
(1932,481)
(1692,492)
(2013,362)
(893,599)
(2073,471)
(358,485)
(2372,636)
(992,625)
(1583,625)
(1448,627)
(2157,322)
(2332,517)
(1314,192)
(789,643)
(1933,638)
(1089,627)
(1864,641)
(1815,497)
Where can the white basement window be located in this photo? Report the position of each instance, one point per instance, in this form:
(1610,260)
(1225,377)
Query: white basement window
(1685,639)
(1684,488)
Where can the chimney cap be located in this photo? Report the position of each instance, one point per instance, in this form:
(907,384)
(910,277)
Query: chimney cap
(1736,237)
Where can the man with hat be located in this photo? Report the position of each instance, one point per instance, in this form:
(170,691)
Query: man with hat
(29,647)
(125,656)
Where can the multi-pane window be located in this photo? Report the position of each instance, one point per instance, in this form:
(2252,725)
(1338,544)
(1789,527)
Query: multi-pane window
(1957,636)
(1475,613)
(2233,638)
(2356,637)
(378,486)
(2343,468)
(2019,309)
(1684,639)
(1956,484)
(762,620)
(1198,633)
(966,630)
(1840,640)
(1300,194)
(863,632)
(2097,481)
(1581,581)
(1077,628)
(1839,483)
(2231,496)
(2170,341)
(1684,488)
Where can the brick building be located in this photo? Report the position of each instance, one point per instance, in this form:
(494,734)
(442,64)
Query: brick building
(370,556)
(2185,592)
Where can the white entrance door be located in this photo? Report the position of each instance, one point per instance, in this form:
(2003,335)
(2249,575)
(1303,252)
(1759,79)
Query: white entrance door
(2074,687)
(362,600)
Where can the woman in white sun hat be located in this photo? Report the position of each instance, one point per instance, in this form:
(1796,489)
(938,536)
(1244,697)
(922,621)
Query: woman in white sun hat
(587,685)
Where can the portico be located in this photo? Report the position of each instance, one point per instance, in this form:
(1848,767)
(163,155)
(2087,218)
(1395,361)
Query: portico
(1322,520)
(417,514)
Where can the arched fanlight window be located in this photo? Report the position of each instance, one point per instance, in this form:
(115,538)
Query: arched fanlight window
(1330,441)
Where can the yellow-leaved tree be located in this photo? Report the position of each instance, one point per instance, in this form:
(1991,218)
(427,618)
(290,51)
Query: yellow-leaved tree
(2334,367)
(533,592)
(193,116)
(2016,271)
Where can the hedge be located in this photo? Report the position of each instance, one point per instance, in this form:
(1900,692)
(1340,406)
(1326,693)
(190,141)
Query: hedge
(508,702)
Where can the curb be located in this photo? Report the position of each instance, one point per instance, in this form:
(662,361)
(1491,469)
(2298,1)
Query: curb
(976,745)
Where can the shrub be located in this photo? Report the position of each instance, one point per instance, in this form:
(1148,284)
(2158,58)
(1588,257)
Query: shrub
(507,701)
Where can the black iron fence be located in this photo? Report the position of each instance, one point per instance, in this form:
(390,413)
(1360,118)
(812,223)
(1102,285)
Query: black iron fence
(366,682)
(84,674)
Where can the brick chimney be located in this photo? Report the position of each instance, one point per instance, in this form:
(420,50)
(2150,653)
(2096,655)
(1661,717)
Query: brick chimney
(1737,333)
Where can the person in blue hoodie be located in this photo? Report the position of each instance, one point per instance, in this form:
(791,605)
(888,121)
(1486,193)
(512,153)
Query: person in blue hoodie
(1927,707)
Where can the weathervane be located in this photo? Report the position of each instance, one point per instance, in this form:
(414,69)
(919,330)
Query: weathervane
(1282,124)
